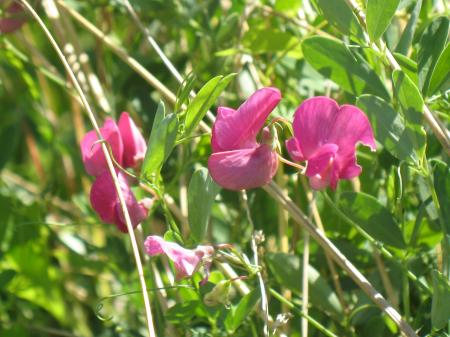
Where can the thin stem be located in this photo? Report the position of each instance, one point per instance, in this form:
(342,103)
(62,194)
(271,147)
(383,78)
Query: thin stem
(109,162)
(290,163)
(340,259)
(305,288)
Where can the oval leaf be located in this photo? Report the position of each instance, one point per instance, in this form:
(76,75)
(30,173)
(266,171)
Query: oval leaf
(201,194)
(368,213)
(441,72)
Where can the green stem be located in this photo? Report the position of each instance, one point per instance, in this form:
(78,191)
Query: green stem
(311,320)
(376,244)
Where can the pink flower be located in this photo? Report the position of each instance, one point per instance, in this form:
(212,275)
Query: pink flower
(14,18)
(126,142)
(238,160)
(128,148)
(325,135)
(133,142)
(106,203)
(186,261)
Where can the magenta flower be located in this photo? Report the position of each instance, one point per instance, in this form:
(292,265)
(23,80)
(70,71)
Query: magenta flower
(128,148)
(106,203)
(14,18)
(186,261)
(126,142)
(326,135)
(133,142)
(238,160)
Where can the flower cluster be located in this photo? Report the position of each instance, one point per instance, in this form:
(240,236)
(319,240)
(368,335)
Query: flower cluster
(13,18)
(325,136)
(128,148)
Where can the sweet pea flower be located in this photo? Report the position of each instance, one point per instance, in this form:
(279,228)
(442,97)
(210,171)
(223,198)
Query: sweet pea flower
(238,161)
(133,142)
(127,144)
(106,203)
(128,148)
(13,19)
(326,135)
(186,261)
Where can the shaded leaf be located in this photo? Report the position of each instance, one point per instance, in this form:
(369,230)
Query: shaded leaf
(440,308)
(379,16)
(244,308)
(333,60)
(442,187)
(368,213)
(441,71)
(339,14)
(431,44)
(201,194)
(408,33)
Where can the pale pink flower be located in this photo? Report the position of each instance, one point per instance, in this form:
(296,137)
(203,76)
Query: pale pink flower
(186,261)
(134,144)
(238,160)
(326,135)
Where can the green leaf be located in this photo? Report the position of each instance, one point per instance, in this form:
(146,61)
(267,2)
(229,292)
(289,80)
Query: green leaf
(408,32)
(182,312)
(379,16)
(408,66)
(238,314)
(442,186)
(205,98)
(440,307)
(441,71)
(339,14)
(6,276)
(368,213)
(389,128)
(286,270)
(334,60)
(161,142)
(288,6)
(263,40)
(411,102)
(201,194)
(431,44)
(184,91)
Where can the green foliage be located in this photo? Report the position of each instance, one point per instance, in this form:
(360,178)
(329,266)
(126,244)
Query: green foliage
(440,310)
(379,16)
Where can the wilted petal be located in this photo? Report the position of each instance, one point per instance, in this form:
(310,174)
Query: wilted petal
(350,127)
(186,261)
(92,155)
(14,17)
(243,169)
(106,203)
(238,129)
(294,149)
(134,145)
(313,121)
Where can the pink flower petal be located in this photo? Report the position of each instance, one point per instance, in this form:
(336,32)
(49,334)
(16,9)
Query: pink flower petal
(243,169)
(92,155)
(186,261)
(313,121)
(106,203)
(294,149)
(234,130)
(351,127)
(134,145)
(322,159)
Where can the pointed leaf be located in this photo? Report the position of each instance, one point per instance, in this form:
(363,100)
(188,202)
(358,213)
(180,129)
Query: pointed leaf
(408,33)
(442,186)
(379,16)
(244,308)
(339,14)
(368,213)
(431,44)
(203,101)
(441,72)
(334,60)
